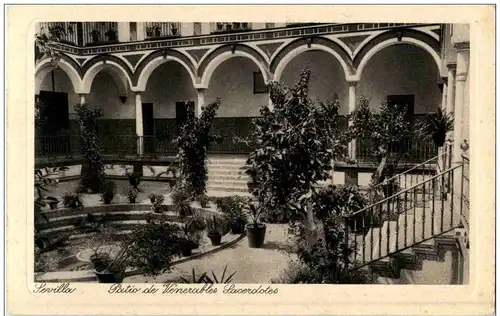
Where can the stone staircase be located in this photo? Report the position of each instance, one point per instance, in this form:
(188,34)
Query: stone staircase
(408,238)
(226,175)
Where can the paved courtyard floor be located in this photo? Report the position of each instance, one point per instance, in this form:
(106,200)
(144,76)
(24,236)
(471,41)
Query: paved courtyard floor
(251,265)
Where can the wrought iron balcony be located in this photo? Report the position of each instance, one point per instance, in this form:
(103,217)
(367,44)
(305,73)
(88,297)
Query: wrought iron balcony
(99,33)
(158,30)
(65,32)
(227,27)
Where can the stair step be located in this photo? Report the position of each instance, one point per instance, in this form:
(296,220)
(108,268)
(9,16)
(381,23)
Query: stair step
(226,188)
(227,166)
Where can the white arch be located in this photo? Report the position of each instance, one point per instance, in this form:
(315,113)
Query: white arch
(46,66)
(92,72)
(395,41)
(205,79)
(297,51)
(153,64)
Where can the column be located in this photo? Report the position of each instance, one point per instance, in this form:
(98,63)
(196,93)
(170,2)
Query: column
(82,98)
(461,77)
(140,31)
(450,107)
(460,80)
(138,123)
(201,101)
(123,32)
(352,108)
(450,86)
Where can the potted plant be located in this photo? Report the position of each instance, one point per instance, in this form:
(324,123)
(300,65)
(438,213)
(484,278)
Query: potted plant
(157,201)
(71,200)
(216,228)
(435,127)
(173,28)
(149,249)
(233,208)
(108,192)
(111,35)
(96,36)
(189,239)
(132,195)
(203,200)
(181,201)
(52,202)
(256,230)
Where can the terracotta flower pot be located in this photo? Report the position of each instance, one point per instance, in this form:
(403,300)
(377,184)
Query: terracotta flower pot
(256,233)
(215,239)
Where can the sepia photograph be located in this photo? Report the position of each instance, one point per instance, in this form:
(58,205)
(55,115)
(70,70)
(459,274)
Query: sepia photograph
(307,159)
(237,152)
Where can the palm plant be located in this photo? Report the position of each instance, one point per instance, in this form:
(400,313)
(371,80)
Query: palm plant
(435,127)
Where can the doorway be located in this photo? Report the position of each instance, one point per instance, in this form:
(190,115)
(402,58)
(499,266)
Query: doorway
(148,127)
(54,126)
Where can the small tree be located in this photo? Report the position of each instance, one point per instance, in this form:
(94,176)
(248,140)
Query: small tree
(93,168)
(193,143)
(385,131)
(295,145)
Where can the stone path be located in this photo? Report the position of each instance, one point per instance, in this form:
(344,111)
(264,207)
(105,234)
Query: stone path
(251,265)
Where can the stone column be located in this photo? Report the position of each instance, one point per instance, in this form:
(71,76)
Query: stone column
(461,77)
(352,108)
(82,98)
(201,101)
(139,130)
(123,32)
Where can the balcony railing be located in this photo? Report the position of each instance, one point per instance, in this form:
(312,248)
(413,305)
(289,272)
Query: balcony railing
(371,26)
(157,30)
(223,27)
(65,32)
(416,151)
(413,150)
(99,33)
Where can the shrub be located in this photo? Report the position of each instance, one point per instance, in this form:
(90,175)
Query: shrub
(182,202)
(72,200)
(193,142)
(108,191)
(217,225)
(132,195)
(295,144)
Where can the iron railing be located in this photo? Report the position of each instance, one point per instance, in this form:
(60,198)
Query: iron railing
(464,194)
(413,150)
(400,221)
(66,32)
(54,146)
(99,33)
(120,145)
(416,174)
(158,30)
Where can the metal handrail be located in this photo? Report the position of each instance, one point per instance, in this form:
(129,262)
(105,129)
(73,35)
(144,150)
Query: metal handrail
(411,169)
(403,191)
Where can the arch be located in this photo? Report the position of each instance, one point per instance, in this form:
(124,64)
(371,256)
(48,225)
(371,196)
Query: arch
(110,63)
(302,45)
(154,60)
(223,53)
(70,68)
(411,37)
